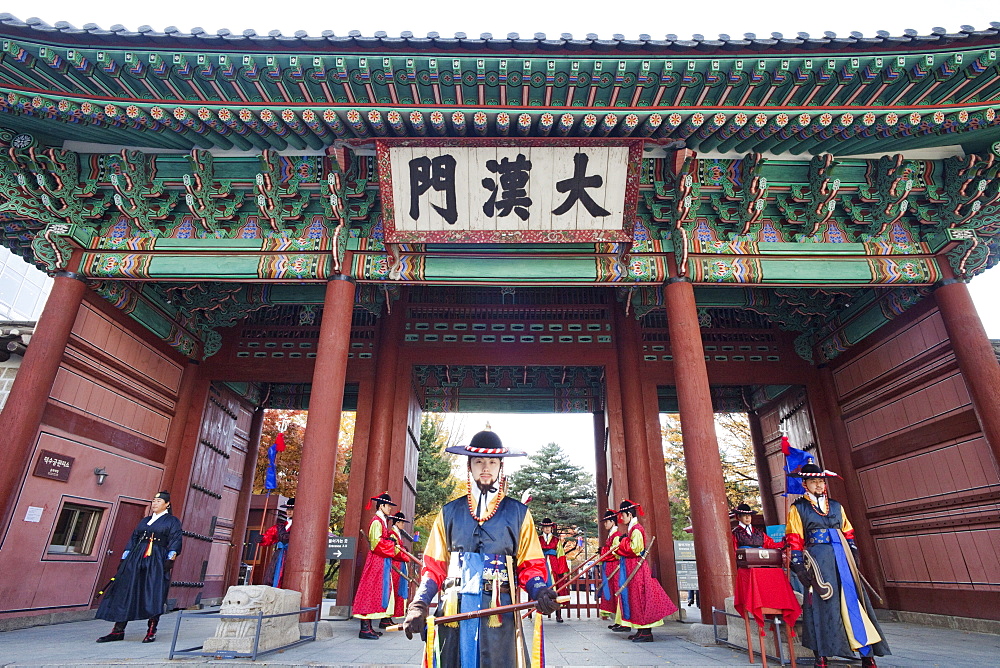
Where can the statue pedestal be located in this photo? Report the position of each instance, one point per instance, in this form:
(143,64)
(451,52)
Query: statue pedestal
(237,635)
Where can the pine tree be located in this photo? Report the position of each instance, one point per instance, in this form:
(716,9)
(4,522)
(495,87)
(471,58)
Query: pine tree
(436,484)
(560,490)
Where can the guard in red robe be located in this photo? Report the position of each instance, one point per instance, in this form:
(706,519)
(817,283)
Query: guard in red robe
(642,603)
(608,561)
(375,597)
(555,560)
(400,584)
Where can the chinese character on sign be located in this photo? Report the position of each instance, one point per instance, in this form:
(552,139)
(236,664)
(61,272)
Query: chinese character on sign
(437,173)
(510,184)
(577,186)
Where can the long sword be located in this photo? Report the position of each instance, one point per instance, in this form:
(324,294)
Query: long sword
(645,553)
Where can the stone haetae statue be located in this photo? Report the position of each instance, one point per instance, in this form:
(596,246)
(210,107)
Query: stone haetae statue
(237,635)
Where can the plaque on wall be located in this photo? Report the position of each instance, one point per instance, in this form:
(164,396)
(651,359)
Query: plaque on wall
(53,466)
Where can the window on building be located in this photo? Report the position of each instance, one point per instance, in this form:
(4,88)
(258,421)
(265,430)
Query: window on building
(76,530)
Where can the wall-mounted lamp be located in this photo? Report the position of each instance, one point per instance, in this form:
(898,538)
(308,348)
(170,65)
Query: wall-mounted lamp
(101,474)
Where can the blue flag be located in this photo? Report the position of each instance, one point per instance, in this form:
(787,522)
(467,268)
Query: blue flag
(271,476)
(794,460)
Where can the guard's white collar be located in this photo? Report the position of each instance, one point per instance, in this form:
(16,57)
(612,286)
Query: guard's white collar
(155,517)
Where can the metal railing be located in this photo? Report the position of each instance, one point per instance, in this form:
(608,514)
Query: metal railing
(224,654)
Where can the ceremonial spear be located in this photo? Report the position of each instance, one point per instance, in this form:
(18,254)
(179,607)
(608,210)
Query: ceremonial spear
(499,610)
(645,553)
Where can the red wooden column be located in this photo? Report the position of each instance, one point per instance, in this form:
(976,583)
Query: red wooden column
(601,465)
(709,511)
(353,514)
(305,565)
(975,356)
(634,422)
(384,404)
(29,393)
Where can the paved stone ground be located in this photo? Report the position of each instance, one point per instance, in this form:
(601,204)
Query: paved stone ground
(580,642)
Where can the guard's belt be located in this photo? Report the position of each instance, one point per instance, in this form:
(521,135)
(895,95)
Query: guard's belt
(818,536)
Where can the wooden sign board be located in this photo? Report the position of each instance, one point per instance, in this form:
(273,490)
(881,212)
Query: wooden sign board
(509,191)
(53,466)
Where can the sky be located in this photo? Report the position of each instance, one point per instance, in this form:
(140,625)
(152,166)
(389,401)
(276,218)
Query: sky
(733,17)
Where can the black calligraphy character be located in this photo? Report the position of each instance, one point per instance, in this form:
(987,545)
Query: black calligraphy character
(513,177)
(439,174)
(576,186)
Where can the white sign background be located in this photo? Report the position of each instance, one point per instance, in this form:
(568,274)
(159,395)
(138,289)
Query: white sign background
(549,165)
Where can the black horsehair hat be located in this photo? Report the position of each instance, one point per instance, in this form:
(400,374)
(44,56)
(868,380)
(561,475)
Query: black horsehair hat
(743,509)
(548,523)
(813,471)
(610,515)
(399,517)
(382,498)
(485,444)
(289,504)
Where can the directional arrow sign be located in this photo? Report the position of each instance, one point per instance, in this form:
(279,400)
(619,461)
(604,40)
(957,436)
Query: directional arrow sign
(339,547)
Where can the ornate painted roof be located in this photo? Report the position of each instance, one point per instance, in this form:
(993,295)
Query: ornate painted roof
(173,37)
(252,92)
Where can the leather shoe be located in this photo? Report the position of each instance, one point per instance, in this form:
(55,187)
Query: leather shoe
(618,628)
(867,661)
(643,637)
(150,637)
(368,635)
(111,637)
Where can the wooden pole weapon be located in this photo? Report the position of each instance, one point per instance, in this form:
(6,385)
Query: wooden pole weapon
(485,612)
(642,560)
(402,549)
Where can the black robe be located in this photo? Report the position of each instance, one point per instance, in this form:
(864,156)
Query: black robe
(822,623)
(139,590)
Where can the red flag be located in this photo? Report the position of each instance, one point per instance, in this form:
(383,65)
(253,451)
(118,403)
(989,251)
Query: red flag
(279,443)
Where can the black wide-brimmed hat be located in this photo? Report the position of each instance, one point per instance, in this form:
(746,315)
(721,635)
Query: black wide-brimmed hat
(399,517)
(289,504)
(630,506)
(548,523)
(610,515)
(379,500)
(743,509)
(813,471)
(485,444)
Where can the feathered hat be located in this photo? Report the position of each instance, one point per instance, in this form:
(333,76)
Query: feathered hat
(379,500)
(813,471)
(630,506)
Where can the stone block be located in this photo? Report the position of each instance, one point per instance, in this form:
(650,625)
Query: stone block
(324,630)
(701,634)
(237,635)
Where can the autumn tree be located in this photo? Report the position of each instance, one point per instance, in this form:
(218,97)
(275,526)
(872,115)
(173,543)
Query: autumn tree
(739,470)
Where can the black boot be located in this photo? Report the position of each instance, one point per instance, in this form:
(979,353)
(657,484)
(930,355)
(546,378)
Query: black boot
(151,629)
(386,623)
(644,635)
(618,628)
(117,633)
(867,661)
(366,632)
(559,616)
